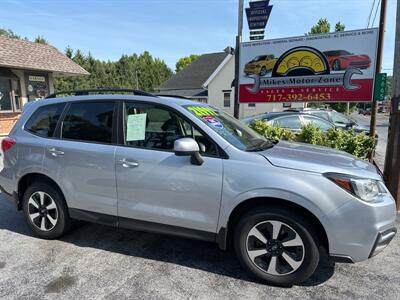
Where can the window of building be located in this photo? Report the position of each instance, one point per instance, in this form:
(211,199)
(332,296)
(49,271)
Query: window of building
(252,105)
(9,95)
(44,120)
(89,121)
(152,127)
(227,99)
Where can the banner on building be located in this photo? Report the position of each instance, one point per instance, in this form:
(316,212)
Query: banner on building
(331,67)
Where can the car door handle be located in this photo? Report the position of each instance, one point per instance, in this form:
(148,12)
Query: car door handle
(128,163)
(55,152)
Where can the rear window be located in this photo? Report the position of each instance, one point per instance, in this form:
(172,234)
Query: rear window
(44,120)
(89,121)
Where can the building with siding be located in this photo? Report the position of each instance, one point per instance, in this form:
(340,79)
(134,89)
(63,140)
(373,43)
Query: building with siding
(27,72)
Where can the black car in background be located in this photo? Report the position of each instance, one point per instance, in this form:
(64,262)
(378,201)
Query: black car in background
(293,121)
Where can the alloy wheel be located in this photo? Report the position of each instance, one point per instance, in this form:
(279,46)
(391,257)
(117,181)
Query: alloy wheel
(42,211)
(275,248)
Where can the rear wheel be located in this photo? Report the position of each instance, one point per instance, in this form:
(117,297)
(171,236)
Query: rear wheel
(45,211)
(276,246)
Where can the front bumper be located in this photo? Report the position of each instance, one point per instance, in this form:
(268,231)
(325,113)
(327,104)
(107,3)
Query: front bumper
(358,230)
(383,239)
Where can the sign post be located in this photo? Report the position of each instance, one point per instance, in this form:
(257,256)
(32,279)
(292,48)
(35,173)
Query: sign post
(236,103)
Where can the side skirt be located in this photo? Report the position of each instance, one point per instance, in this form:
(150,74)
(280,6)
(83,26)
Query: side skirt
(140,225)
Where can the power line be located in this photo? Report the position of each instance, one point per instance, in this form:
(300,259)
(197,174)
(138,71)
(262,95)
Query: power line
(370,13)
(376,11)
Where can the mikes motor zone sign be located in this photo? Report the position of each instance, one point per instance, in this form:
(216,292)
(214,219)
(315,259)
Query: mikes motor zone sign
(329,67)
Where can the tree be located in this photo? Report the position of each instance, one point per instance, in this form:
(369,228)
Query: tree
(322,26)
(41,40)
(9,33)
(148,72)
(339,27)
(183,62)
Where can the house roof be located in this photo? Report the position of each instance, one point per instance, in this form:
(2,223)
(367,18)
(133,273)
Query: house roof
(20,54)
(195,74)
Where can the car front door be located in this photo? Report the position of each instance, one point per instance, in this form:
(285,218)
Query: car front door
(155,185)
(81,157)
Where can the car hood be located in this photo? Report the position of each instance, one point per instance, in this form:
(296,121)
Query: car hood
(361,128)
(318,159)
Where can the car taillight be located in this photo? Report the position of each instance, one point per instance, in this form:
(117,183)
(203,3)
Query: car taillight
(7,143)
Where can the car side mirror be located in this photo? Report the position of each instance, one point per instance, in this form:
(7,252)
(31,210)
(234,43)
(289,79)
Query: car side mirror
(188,147)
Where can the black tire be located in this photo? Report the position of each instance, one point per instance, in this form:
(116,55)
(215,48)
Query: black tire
(263,71)
(297,222)
(63,223)
(336,65)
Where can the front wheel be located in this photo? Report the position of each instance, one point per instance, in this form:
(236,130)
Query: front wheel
(276,246)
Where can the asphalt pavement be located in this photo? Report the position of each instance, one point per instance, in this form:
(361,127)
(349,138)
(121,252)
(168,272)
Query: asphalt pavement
(98,262)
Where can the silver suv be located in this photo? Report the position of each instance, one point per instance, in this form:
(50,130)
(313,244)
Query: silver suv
(184,168)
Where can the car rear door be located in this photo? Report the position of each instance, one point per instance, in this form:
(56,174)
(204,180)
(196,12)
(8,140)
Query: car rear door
(81,157)
(158,187)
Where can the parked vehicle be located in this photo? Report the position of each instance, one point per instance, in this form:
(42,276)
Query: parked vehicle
(293,121)
(336,118)
(185,168)
(260,65)
(342,59)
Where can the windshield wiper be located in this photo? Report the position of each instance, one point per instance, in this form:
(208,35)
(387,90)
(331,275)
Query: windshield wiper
(263,146)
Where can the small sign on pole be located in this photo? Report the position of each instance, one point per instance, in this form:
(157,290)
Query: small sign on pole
(380,87)
(257,18)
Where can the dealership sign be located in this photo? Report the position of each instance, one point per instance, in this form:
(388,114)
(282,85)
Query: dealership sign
(330,67)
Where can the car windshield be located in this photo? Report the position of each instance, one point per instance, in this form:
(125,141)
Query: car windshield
(340,118)
(230,129)
(257,58)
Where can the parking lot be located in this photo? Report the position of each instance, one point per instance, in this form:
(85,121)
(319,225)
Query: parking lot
(100,262)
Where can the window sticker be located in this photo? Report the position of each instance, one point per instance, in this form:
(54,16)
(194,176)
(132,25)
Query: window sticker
(136,127)
(201,111)
(213,122)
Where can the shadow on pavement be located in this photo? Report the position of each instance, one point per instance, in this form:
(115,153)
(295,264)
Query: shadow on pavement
(188,253)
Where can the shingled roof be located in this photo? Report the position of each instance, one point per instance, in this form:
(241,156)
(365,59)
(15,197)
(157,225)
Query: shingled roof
(20,54)
(189,81)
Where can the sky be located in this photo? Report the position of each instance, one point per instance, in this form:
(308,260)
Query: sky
(170,29)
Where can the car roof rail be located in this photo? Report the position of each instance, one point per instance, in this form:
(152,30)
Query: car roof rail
(100,91)
(173,96)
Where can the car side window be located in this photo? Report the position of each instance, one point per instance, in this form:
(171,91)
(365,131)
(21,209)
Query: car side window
(89,121)
(319,123)
(292,122)
(153,127)
(44,120)
(322,114)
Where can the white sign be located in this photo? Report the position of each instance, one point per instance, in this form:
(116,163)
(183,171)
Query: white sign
(37,78)
(331,67)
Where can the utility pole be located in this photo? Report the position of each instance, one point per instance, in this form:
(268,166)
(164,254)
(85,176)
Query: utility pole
(237,54)
(392,161)
(382,23)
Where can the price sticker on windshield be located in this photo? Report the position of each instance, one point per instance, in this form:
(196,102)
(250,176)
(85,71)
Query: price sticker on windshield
(201,111)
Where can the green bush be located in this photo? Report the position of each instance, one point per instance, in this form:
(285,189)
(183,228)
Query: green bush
(359,145)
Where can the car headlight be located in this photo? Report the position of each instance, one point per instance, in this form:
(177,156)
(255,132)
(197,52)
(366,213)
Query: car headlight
(363,188)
